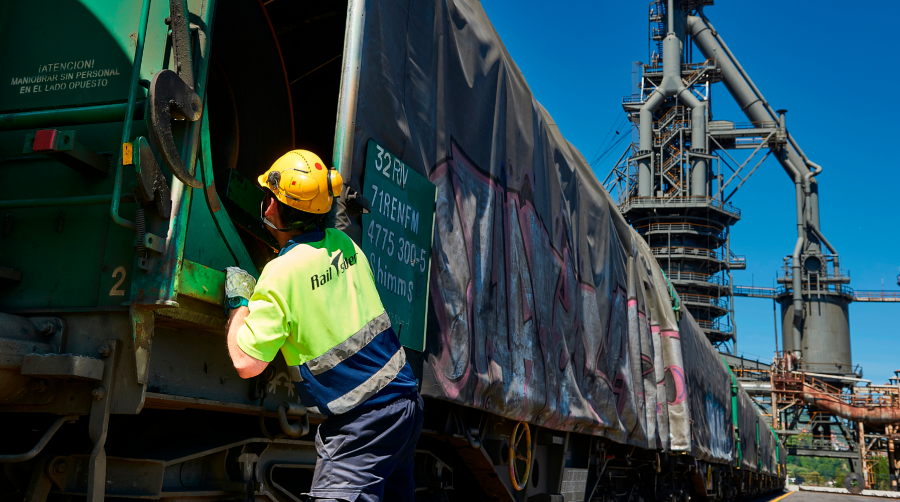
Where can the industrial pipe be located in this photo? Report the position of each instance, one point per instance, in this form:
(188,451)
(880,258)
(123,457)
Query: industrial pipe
(823,280)
(807,188)
(807,206)
(796,286)
(129,116)
(807,191)
(757,388)
(645,176)
(736,79)
(293,410)
(744,91)
(817,169)
(813,220)
(838,377)
(756,91)
(872,416)
(798,247)
(670,13)
(823,240)
(672,86)
(749,97)
(33,452)
(345,127)
(814,187)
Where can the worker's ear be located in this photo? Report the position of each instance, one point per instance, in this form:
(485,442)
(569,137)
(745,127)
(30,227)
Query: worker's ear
(271,211)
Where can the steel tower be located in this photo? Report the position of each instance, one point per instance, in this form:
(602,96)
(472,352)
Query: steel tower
(667,189)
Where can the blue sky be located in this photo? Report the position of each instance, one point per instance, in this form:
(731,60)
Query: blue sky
(831,69)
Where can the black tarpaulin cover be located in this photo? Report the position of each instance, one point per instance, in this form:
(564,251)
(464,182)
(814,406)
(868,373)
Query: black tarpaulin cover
(747,429)
(768,457)
(709,391)
(545,305)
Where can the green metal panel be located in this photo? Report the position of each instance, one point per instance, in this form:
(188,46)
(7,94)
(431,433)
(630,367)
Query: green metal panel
(202,283)
(59,233)
(73,236)
(46,70)
(203,242)
(194,233)
(97,114)
(67,254)
(242,198)
(244,192)
(70,256)
(398,238)
(73,53)
(224,226)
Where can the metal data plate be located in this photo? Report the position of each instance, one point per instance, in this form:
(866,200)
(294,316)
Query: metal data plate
(574,484)
(397,238)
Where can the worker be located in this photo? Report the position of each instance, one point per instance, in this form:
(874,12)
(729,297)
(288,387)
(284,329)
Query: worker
(317,303)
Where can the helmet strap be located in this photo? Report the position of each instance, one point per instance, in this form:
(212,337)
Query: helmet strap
(305,225)
(271,225)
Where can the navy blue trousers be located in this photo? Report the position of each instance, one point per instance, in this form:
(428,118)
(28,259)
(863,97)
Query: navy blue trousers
(368,456)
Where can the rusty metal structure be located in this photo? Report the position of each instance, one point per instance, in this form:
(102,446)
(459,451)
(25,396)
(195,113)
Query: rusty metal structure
(867,415)
(818,416)
(828,414)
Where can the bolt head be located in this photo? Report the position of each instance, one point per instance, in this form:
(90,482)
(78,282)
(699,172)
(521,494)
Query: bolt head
(48,329)
(60,466)
(105,350)
(98,393)
(38,386)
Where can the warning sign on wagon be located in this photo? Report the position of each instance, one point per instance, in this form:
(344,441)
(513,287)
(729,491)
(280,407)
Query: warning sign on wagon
(397,238)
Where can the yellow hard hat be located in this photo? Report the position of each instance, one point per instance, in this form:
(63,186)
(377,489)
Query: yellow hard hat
(301,180)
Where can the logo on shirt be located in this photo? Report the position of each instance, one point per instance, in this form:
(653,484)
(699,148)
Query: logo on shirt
(339,264)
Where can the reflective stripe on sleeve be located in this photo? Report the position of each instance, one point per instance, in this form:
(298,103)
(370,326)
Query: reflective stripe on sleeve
(344,350)
(371,386)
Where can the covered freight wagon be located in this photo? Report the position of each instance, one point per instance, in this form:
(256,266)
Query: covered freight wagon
(547,341)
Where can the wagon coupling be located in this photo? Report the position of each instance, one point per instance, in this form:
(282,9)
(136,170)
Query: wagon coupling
(293,410)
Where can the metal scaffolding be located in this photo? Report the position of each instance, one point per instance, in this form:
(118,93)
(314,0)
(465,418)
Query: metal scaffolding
(820,415)
(680,208)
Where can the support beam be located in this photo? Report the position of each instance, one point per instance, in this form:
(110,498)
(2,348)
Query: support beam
(99,420)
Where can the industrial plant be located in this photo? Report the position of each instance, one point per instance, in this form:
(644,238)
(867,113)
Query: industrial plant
(675,186)
(168,168)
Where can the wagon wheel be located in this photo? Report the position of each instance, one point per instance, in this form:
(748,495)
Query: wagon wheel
(518,456)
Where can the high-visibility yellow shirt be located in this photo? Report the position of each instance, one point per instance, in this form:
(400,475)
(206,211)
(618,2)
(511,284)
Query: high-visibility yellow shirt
(317,303)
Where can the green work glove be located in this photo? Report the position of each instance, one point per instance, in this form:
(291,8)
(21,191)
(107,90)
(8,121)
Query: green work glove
(238,284)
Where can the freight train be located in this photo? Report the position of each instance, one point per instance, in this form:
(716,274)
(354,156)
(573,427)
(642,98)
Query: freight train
(554,357)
